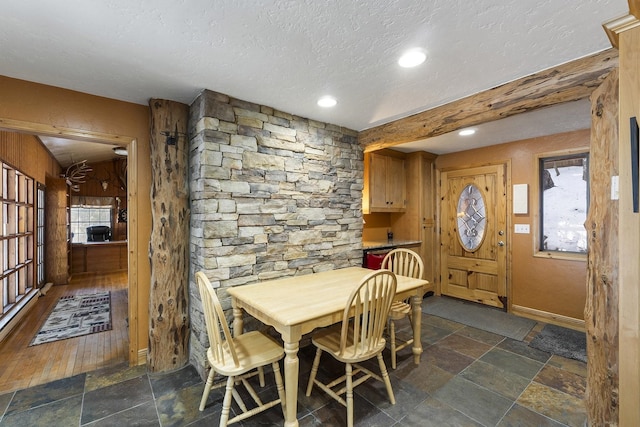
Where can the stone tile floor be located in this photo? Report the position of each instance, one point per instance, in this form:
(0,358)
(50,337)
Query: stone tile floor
(467,377)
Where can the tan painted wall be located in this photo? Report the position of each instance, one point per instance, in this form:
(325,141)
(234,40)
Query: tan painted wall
(547,285)
(376,226)
(40,104)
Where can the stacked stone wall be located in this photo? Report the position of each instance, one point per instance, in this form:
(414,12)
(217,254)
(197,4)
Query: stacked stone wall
(272,195)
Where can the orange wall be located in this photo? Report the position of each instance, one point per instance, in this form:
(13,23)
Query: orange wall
(547,285)
(40,104)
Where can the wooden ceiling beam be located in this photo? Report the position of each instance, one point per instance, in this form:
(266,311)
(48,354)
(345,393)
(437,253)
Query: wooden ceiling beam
(567,82)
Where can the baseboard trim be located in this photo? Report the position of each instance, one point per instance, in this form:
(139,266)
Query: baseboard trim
(22,308)
(142,356)
(546,317)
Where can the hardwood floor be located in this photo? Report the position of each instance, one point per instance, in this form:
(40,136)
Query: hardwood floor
(22,366)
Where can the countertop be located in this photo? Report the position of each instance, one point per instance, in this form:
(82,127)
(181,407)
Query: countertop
(384,244)
(105,243)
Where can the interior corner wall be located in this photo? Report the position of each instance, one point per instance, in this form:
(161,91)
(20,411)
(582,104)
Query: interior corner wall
(552,286)
(272,195)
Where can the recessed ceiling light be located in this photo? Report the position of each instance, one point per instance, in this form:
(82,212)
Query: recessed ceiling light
(412,58)
(467,132)
(327,101)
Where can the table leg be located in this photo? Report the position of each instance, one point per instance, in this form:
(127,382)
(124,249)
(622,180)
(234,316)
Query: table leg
(291,370)
(238,323)
(416,319)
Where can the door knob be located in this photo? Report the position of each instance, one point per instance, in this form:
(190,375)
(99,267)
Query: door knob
(500,243)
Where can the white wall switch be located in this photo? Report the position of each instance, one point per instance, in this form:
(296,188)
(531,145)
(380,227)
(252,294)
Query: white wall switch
(615,187)
(522,228)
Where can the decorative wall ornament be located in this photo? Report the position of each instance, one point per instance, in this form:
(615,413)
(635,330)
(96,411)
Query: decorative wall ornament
(172,138)
(471,218)
(76,174)
(122,215)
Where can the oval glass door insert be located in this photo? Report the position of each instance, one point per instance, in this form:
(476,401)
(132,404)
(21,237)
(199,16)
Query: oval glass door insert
(471,218)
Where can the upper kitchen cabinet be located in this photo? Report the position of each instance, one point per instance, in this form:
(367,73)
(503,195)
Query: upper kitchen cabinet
(385,187)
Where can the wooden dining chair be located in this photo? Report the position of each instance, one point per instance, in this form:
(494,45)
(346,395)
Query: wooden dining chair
(358,338)
(403,262)
(238,358)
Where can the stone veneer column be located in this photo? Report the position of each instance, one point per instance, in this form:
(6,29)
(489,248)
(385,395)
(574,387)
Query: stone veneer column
(272,195)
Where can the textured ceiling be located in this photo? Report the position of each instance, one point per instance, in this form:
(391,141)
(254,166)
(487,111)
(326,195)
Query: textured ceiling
(287,53)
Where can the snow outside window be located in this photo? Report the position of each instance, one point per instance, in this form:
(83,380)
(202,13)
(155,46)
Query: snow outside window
(564,201)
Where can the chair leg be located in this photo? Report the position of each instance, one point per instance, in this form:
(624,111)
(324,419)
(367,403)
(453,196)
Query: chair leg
(238,398)
(385,377)
(349,372)
(280,387)
(392,332)
(314,371)
(207,389)
(226,403)
(261,375)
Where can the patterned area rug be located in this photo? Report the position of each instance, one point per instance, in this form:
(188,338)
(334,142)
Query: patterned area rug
(76,315)
(561,341)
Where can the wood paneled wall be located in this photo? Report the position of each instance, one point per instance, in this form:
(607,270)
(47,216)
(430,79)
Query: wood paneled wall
(104,171)
(27,154)
(56,244)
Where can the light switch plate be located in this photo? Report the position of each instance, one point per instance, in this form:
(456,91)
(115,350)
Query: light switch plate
(615,187)
(522,228)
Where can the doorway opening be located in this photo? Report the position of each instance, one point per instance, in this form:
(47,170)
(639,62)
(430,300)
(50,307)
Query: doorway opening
(127,282)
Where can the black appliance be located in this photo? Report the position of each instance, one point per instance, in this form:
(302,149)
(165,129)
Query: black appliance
(98,233)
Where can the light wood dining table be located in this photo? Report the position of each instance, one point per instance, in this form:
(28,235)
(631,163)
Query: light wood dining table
(297,305)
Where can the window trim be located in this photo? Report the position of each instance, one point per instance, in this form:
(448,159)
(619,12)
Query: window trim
(537,200)
(40,232)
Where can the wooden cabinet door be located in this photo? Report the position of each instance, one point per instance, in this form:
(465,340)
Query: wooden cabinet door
(396,187)
(378,181)
(479,274)
(385,183)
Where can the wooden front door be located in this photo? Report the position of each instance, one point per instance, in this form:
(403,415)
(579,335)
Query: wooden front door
(474,234)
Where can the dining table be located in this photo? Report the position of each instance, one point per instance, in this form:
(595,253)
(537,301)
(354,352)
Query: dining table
(296,305)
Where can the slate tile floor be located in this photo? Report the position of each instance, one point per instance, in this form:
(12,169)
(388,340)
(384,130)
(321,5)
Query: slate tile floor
(467,377)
